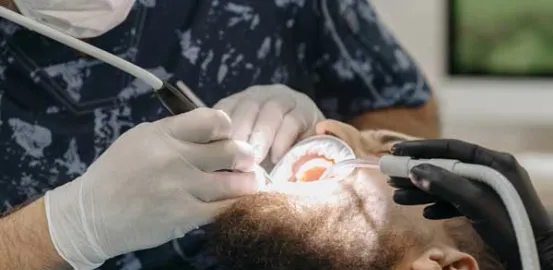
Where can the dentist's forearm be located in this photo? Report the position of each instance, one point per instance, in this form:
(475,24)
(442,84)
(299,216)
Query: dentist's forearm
(25,241)
(8,4)
(422,122)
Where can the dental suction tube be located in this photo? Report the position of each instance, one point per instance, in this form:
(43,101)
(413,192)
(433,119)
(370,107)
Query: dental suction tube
(84,47)
(401,166)
(174,99)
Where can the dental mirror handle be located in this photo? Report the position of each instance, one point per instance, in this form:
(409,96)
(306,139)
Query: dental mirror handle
(400,166)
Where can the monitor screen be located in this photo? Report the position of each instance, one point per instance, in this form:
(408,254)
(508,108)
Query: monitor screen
(500,38)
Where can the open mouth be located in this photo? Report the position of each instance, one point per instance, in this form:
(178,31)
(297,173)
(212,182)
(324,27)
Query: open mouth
(311,167)
(308,160)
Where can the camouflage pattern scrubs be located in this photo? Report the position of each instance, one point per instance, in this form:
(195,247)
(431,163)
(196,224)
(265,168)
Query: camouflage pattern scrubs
(59,109)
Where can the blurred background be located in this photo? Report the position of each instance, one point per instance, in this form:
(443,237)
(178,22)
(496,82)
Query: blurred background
(500,38)
(491,66)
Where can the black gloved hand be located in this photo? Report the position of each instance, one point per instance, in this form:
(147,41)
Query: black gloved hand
(453,195)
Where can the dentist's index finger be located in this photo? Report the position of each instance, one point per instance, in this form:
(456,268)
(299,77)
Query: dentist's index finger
(267,125)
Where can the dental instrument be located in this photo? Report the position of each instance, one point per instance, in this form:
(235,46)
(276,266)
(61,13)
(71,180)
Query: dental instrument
(335,172)
(397,166)
(174,100)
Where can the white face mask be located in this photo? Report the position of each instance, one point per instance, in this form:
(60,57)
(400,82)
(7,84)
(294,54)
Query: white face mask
(77,18)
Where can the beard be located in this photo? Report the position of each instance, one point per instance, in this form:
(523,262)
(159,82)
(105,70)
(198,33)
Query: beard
(277,231)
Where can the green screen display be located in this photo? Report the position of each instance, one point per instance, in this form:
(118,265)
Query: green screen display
(501,37)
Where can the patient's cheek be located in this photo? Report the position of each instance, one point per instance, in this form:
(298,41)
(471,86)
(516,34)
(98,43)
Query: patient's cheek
(375,182)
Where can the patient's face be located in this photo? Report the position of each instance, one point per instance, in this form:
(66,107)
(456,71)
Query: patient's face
(347,224)
(354,225)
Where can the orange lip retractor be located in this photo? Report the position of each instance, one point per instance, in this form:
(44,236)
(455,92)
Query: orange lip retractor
(311,167)
(309,159)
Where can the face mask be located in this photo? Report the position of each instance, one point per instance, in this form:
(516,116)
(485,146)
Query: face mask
(77,18)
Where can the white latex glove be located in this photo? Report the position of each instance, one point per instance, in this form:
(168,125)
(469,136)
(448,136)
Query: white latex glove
(154,184)
(271,117)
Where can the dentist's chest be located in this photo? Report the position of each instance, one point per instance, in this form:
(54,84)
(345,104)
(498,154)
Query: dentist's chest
(215,47)
(226,46)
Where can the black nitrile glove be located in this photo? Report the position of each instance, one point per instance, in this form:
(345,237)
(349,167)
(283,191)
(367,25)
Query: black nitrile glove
(451,195)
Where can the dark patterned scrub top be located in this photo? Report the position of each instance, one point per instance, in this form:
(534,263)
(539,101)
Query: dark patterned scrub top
(59,110)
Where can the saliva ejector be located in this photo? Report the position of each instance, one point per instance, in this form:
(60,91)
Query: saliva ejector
(397,166)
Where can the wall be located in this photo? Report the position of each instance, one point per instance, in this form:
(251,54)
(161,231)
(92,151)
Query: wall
(419,26)
(514,116)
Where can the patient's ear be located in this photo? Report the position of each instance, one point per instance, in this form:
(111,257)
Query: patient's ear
(446,258)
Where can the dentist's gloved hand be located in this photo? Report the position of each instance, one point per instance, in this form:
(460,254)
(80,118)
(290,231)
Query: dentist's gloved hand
(271,118)
(451,195)
(154,184)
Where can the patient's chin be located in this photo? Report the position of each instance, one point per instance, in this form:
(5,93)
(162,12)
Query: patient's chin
(271,231)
